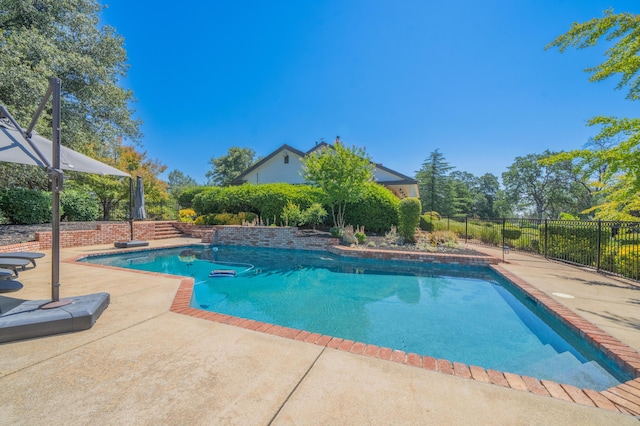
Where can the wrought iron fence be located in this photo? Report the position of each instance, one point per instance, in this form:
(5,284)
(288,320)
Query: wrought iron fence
(609,246)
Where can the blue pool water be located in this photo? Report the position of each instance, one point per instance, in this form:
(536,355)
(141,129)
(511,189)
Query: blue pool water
(465,314)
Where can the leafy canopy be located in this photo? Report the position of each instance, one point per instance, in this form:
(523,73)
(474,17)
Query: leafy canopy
(547,188)
(64,39)
(341,172)
(226,168)
(617,166)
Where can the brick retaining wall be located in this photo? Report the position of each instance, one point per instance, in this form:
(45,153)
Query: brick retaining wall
(258,236)
(103,234)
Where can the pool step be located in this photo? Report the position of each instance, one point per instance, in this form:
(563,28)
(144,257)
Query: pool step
(566,368)
(590,375)
(516,364)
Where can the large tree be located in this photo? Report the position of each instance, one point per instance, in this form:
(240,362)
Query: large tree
(436,192)
(64,39)
(342,173)
(474,196)
(547,188)
(226,168)
(113,193)
(178,183)
(618,163)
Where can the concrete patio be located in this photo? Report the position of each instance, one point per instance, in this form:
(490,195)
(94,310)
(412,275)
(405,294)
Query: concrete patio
(142,364)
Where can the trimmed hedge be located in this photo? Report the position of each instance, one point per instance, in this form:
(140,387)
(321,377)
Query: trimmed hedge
(409,218)
(377,210)
(511,234)
(573,243)
(185,199)
(267,200)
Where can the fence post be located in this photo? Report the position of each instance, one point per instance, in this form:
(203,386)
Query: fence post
(546,233)
(504,221)
(466,229)
(598,250)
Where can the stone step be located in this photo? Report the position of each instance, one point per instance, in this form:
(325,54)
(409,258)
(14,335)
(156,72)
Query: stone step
(166,230)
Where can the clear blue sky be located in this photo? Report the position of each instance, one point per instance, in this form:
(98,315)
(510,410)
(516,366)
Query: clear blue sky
(400,78)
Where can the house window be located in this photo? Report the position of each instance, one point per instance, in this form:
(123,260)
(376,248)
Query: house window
(286,159)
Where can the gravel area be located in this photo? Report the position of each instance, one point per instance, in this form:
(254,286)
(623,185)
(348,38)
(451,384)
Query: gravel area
(15,234)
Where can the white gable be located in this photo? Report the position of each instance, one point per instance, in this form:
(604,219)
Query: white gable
(276,170)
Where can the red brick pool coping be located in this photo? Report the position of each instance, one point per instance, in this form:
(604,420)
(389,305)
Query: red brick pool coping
(624,398)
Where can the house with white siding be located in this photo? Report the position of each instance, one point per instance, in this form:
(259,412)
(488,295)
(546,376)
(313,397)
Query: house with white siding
(284,165)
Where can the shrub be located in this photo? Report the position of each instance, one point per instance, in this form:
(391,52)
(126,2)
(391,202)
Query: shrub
(377,210)
(409,218)
(267,200)
(426,223)
(79,205)
(444,238)
(205,201)
(336,232)
(348,235)
(511,234)
(26,206)
(185,199)
(291,215)
(206,219)
(315,215)
(360,236)
(247,217)
(226,219)
(573,243)
(186,215)
(392,237)
(433,215)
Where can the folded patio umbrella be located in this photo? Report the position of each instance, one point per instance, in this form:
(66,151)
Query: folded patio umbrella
(139,211)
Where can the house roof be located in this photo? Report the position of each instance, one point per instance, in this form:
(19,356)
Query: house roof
(403,179)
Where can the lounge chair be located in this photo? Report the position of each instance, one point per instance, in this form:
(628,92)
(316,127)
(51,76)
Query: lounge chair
(7,274)
(13,263)
(7,286)
(29,255)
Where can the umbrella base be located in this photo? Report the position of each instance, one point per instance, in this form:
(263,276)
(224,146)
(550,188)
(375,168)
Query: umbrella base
(130,244)
(58,304)
(27,321)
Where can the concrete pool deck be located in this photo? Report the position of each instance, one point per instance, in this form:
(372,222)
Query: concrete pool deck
(143,364)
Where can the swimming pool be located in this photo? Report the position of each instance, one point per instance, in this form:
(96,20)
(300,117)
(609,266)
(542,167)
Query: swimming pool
(464,314)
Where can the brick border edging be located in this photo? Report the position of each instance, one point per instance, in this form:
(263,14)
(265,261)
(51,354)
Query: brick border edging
(613,399)
(624,398)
